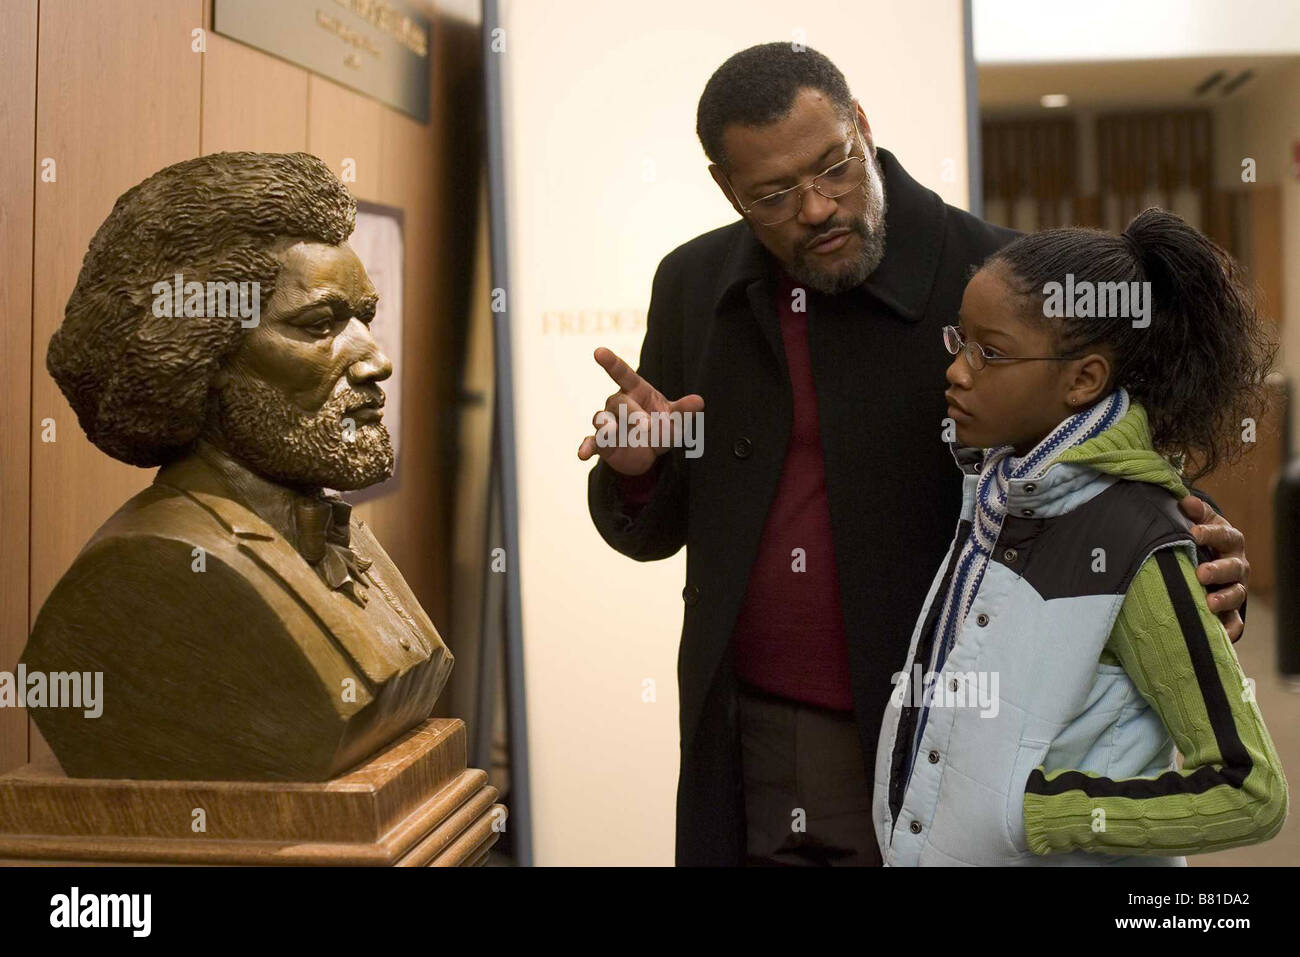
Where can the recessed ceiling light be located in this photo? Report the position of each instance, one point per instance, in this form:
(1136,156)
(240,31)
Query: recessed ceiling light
(1054,101)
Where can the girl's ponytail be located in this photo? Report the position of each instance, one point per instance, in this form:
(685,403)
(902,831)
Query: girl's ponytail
(1202,372)
(1197,362)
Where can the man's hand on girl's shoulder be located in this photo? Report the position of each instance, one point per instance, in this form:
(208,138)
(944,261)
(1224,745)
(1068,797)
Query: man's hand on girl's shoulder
(1227,576)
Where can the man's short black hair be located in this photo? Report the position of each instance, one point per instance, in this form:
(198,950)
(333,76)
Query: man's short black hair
(758,86)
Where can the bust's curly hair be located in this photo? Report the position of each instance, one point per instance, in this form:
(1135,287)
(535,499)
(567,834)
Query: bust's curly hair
(139,383)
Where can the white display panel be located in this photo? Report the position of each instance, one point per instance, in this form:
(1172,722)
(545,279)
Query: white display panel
(604,176)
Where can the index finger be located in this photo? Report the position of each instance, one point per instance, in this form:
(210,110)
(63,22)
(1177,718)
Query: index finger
(619,371)
(1221,538)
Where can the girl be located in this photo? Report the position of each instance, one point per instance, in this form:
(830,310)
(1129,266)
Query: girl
(1083,361)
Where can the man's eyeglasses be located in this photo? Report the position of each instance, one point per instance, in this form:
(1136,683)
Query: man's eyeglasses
(785,204)
(976,354)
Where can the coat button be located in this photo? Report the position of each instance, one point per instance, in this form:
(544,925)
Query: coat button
(934,757)
(1026,512)
(1031,488)
(691,594)
(1010,555)
(952,685)
(915,827)
(981,620)
(742,448)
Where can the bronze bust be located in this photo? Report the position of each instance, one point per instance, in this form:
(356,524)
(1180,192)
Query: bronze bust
(246,626)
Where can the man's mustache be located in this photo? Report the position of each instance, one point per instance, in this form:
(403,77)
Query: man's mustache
(858,227)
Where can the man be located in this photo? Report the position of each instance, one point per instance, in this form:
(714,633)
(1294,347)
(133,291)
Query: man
(246,626)
(811,333)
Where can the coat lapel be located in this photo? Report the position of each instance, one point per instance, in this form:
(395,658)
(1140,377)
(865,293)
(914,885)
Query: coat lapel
(748,277)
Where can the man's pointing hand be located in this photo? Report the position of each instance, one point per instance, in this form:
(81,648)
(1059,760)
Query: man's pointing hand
(642,400)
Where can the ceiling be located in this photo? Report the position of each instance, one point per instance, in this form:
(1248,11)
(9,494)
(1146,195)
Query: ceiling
(1016,88)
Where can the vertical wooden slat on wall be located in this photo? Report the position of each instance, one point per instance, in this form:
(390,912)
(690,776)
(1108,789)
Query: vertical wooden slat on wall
(1204,178)
(17,182)
(117,89)
(1031,159)
(345,125)
(251,101)
(454,261)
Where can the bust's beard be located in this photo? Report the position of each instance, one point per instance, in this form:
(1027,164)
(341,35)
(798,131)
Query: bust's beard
(276,439)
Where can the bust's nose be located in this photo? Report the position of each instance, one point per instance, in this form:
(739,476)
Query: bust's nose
(371,365)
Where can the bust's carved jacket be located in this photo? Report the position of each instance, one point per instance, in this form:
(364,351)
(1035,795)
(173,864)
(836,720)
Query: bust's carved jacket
(252,668)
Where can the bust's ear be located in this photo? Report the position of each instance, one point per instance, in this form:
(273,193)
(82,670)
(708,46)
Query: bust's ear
(720,178)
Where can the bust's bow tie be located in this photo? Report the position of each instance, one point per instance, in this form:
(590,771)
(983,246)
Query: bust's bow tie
(324,534)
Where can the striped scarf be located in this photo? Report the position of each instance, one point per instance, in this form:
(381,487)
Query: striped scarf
(999,468)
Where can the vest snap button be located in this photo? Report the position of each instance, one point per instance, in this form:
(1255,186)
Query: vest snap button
(934,757)
(1026,512)
(1010,555)
(915,827)
(1031,488)
(981,620)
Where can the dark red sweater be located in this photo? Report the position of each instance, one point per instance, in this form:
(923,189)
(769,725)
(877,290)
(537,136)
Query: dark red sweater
(789,638)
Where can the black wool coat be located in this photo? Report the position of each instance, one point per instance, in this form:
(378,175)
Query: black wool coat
(894,491)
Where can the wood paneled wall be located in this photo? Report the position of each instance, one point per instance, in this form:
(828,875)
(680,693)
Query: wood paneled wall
(111,91)
(1033,159)
(1155,152)
(17,184)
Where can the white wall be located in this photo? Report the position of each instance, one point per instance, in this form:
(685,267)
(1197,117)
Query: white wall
(605,177)
(1044,31)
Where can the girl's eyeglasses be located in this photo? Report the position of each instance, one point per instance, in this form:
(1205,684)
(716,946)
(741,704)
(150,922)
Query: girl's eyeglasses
(975,354)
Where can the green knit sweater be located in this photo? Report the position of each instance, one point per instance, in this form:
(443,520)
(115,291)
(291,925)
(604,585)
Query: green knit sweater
(1184,816)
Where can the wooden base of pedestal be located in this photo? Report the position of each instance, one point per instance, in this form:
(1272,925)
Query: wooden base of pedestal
(414,804)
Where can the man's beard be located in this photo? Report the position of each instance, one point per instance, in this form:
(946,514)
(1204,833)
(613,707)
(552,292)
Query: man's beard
(276,439)
(870,230)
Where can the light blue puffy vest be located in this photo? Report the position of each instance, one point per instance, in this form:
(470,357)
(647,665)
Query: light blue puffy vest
(1039,622)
